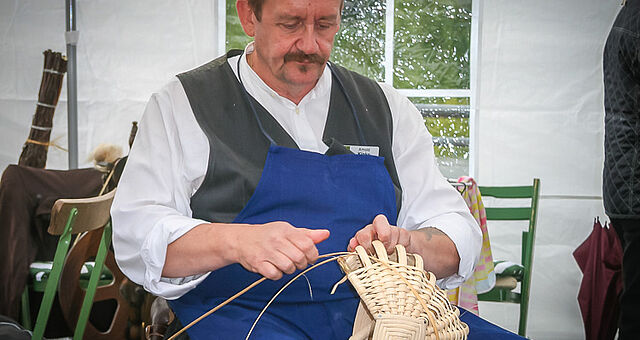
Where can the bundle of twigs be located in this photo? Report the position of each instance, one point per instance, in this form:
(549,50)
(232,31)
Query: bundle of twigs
(34,151)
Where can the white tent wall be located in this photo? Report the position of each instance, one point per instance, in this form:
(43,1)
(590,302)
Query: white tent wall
(539,108)
(540,114)
(126,51)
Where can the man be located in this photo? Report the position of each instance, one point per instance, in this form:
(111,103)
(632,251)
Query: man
(242,169)
(621,179)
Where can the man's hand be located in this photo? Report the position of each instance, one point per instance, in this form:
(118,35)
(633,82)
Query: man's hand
(275,248)
(436,248)
(381,230)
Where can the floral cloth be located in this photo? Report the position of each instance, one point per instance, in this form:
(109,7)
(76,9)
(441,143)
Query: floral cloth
(484,277)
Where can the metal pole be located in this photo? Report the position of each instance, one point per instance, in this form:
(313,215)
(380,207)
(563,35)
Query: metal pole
(71,38)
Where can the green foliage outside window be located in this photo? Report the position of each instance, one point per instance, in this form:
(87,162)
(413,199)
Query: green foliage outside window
(431,44)
(359,46)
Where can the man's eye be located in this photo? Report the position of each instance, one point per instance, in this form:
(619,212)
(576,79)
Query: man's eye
(289,26)
(325,24)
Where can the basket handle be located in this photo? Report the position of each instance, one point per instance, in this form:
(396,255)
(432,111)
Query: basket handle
(364,257)
(381,251)
(402,254)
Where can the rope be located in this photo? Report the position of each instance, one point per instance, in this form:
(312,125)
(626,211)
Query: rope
(46,105)
(41,128)
(52,71)
(54,144)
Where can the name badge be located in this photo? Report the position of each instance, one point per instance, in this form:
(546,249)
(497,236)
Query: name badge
(364,150)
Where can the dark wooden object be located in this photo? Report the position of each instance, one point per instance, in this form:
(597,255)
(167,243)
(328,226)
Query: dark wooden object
(72,295)
(34,151)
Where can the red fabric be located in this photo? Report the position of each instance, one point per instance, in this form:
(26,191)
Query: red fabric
(600,260)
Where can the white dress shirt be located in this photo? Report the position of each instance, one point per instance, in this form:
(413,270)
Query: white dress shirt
(169,158)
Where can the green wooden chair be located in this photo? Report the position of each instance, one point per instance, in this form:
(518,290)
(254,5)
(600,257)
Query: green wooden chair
(69,217)
(507,282)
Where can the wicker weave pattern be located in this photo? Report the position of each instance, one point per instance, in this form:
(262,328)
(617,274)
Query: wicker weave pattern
(397,286)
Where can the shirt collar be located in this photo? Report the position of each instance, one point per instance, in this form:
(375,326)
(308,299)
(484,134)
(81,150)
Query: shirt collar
(255,85)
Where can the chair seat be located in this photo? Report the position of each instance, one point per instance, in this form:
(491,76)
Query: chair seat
(509,269)
(39,273)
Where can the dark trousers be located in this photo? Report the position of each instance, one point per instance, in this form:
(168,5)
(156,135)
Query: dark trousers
(629,232)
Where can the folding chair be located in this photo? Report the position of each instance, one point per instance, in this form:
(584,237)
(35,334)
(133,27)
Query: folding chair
(507,281)
(69,217)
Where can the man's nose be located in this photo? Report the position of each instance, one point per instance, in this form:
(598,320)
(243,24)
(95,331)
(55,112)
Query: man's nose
(308,41)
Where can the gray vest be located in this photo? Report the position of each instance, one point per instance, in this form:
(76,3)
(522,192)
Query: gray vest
(238,149)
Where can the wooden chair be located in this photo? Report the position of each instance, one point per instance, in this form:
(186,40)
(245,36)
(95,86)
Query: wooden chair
(506,283)
(70,217)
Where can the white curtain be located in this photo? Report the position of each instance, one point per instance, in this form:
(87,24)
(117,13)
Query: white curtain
(127,50)
(540,114)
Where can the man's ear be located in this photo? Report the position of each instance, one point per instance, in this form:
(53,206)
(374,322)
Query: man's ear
(246,16)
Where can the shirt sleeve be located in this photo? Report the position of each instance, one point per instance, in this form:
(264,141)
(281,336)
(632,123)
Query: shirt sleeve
(151,207)
(428,200)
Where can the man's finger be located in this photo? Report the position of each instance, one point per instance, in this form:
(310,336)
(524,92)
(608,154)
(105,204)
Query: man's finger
(295,255)
(382,229)
(318,235)
(353,243)
(404,237)
(269,271)
(365,236)
(306,247)
(282,262)
(395,236)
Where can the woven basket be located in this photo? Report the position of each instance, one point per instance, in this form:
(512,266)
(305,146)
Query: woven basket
(394,291)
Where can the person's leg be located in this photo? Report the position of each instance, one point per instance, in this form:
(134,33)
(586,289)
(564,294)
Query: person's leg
(630,298)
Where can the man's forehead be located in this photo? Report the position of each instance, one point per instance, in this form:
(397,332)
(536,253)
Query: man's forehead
(287,16)
(297,9)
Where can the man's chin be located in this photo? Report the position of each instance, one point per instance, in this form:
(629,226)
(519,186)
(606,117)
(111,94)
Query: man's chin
(304,73)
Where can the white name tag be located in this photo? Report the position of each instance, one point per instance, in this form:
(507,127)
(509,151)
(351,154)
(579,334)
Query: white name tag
(364,150)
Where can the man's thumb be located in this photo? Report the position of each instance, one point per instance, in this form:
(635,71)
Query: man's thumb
(318,235)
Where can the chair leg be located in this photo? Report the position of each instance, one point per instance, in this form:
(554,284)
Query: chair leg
(522,325)
(26,309)
(87,303)
(54,278)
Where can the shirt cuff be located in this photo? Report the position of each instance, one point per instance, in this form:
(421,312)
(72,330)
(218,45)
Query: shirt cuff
(154,252)
(467,238)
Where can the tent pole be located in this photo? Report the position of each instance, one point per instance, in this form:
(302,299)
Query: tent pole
(71,38)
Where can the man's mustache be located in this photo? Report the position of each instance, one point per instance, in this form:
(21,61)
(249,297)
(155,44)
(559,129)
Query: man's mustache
(304,58)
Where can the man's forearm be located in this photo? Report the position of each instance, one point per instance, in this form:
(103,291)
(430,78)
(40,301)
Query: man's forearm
(271,249)
(202,249)
(437,250)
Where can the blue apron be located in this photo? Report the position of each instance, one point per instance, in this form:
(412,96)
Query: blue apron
(342,193)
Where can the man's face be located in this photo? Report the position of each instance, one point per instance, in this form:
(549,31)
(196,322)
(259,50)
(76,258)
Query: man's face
(293,41)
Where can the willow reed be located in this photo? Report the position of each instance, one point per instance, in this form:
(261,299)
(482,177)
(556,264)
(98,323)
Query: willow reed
(34,151)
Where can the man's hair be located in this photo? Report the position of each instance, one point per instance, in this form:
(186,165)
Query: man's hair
(256,7)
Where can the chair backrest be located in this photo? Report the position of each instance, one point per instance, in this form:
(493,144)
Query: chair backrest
(93,213)
(528,213)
